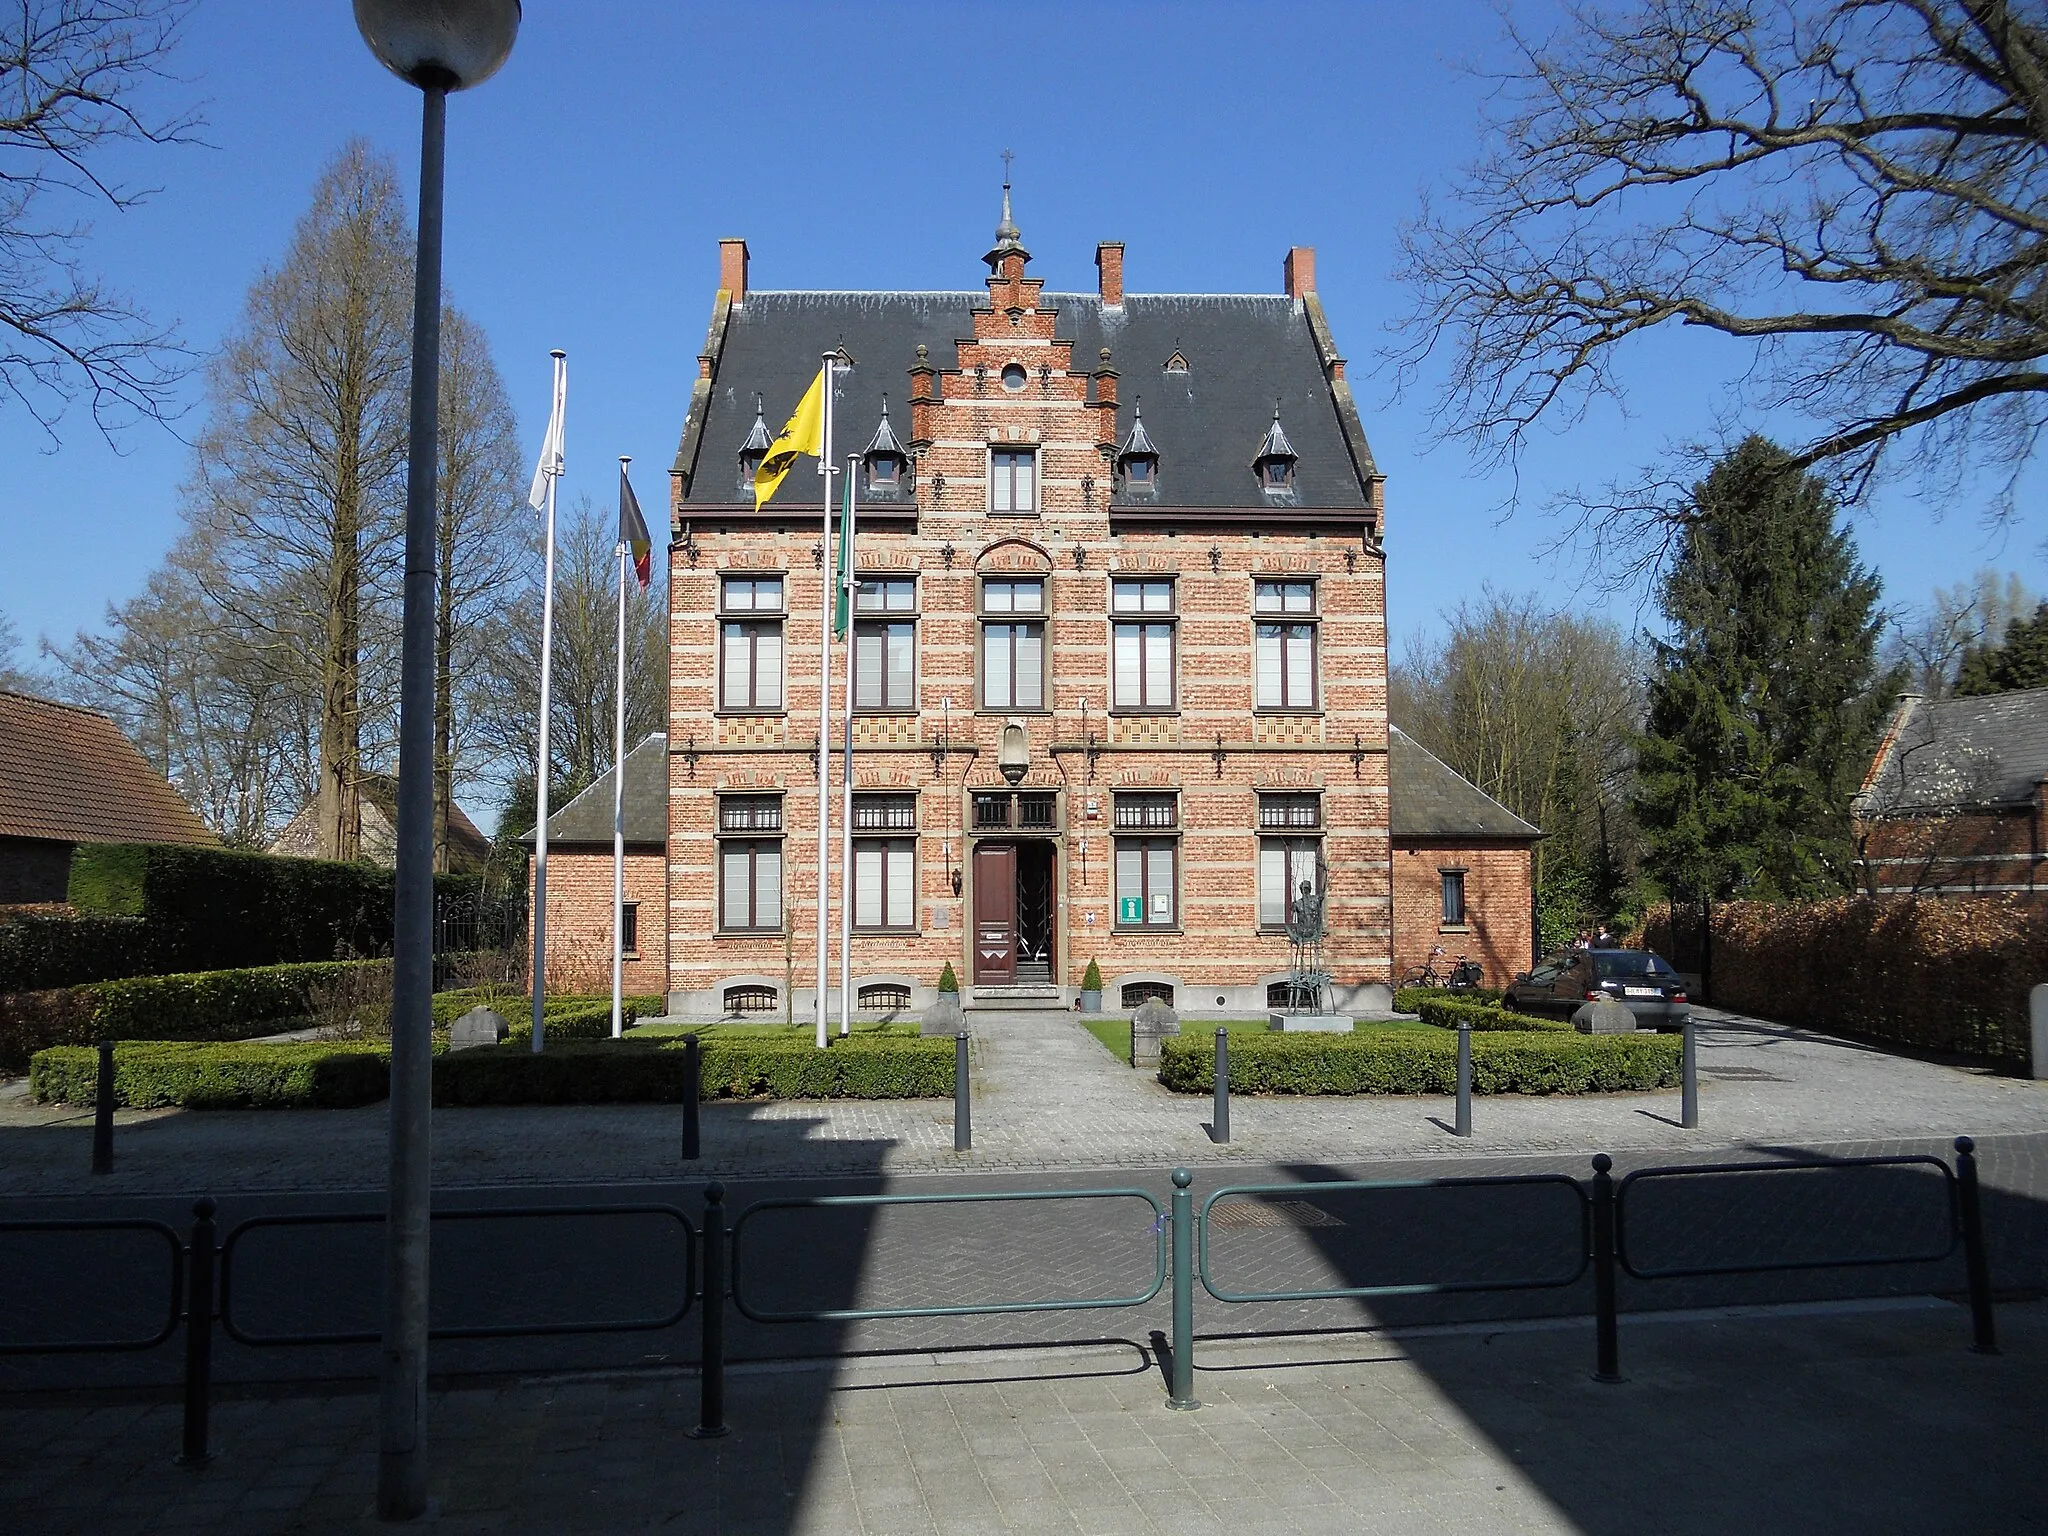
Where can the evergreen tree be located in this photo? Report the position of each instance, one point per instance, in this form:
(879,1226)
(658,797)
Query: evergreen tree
(1764,703)
(2021,662)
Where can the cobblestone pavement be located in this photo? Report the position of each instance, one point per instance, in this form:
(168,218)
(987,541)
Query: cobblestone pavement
(1047,1097)
(1845,1418)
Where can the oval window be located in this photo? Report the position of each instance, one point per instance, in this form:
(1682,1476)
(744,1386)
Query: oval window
(1013,376)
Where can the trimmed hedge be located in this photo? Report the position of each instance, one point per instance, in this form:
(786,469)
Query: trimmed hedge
(651,1072)
(321,1075)
(1403,1061)
(222,908)
(41,950)
(1411,999)
(150,1074)
(200,1005)
(1449,1013)
(452,1005)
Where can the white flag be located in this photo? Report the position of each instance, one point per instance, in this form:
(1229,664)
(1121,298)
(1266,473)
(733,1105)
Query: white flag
(550,463)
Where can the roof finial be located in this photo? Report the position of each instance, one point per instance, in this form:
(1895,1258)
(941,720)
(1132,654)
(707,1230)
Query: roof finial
(1007,233)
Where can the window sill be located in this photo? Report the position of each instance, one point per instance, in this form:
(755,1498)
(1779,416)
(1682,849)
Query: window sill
(996,709)
(1030,517)
(750,714)
(1303,711)
(888,933)
(747,933)
(1144,711)
(886,712)
(1138,930)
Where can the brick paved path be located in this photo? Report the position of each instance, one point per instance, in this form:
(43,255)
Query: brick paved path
(1837,1420)
(1047,1097)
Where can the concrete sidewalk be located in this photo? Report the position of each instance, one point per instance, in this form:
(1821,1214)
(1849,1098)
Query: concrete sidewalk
(1047,1097)
(1852,1418)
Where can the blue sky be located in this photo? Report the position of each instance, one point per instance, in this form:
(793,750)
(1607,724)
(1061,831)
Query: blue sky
(857,147)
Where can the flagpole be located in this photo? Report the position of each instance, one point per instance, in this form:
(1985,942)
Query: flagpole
(826,468)
(619,801)
(547,653)
(847,587)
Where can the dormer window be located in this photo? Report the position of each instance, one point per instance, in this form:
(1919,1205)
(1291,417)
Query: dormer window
(883,461)
(754,449)
(1137,462)
(1013,376)
(1176,363)
(1275,462)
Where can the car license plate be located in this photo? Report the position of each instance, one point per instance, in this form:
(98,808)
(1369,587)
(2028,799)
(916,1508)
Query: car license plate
(1640,992)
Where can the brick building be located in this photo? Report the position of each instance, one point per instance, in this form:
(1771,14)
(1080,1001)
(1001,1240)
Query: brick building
(1462,868)
(1956,800)
(580,881)
(1120,646)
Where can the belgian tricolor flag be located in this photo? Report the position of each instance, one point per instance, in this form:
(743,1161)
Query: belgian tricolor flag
(633,531)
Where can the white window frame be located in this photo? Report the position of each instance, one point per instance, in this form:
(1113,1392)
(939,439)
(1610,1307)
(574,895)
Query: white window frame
(1013,480)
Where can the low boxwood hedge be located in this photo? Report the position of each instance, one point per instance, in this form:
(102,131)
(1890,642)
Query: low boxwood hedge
(1410,999)
(1425,1062)
(150,1074)
(452,1005)
(317,1074)
(640,1072)
(196,1005)
(1450,1012)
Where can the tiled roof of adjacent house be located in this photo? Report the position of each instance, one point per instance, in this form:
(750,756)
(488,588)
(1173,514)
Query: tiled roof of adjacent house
(1954,754)
(68,774)
(1244,354)
(468,849)
(1428,798)
(588,817)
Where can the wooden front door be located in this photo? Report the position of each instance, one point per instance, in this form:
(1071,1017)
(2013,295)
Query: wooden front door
(995,914)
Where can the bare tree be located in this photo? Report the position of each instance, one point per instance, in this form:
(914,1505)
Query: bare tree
(484,534)
(1860,187)
(11,674)
(75,81)
(300,469)
(584,679)
(1538,709)
(1930,642)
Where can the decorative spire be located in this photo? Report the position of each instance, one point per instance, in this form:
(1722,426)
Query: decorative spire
(759,440)
(1274,464)
(1276,445)
(1140,441)
(885,436)
(1137,462)
(1009,239)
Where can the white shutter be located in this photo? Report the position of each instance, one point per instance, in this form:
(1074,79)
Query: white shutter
(1301,656)
(768,667)
(733,691)
(1130,874)
(1158,665)
(1027,490)
(733,893)
(995,666)
(900,691)
(1127,684)
(1159,878)
(867,669)
(900,893)
(1267,667)
(1273,876)
(1030,666)
(768,887)
(867,885)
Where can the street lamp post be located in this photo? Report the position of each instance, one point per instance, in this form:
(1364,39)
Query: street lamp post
(439,46)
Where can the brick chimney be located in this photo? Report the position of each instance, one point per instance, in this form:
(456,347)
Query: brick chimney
(732,268)
(1298,271)
(1109,261)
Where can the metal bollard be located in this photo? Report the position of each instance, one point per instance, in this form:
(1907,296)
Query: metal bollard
(1181,1386)
(1607,1343)
(198,1335)
(103,1112)
(711,1365)
(1983,1326)
(693,1095)
(1464,1118)
(1219,1116)
(1689,1080)
(963,1110)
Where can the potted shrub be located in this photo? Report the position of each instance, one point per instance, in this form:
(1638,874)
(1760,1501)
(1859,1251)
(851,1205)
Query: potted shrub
(1091,989)
(944,1016)
(948,982)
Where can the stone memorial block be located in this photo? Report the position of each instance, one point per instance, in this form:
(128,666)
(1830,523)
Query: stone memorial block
(1604,1016)
(944,1017)
(1153,1020)
(479,1026)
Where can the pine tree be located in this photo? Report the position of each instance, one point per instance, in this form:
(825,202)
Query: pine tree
(2021,662)
(1764,701)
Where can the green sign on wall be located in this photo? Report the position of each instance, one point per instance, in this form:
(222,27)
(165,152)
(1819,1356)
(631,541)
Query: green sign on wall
(1130,909)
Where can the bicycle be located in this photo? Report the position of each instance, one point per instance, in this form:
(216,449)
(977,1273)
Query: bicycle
(1461,975)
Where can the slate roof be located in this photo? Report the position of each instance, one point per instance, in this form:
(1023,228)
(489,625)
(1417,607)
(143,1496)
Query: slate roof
(588,817)
(1244,352)
(1428,798)
(68,774)
(1955,754)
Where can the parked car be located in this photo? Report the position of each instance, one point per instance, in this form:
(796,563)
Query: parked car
(1566,980)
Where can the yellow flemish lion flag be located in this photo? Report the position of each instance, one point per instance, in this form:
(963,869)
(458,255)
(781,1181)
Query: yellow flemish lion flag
(804,433)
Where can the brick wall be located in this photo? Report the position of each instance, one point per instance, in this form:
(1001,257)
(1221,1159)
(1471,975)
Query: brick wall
(1988,852)
(1497,917)
(580,917)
